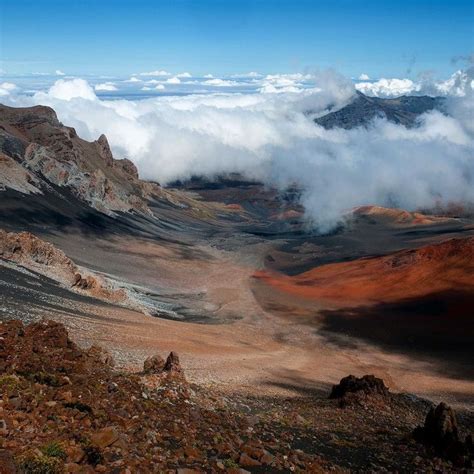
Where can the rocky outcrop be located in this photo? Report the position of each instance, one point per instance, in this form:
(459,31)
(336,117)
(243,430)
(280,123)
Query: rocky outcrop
(153,365)
(36,254)
(52,154)
(128,167)
(172,364)
(43,257)
(440,432)
(104,150)
(356,390)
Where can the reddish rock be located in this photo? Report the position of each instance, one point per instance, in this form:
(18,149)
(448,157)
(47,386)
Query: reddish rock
(101,355)
(246,461)
(153,365)
(105,437)
(103,148)
(172,364)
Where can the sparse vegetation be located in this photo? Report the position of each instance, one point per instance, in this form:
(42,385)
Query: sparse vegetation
(54,450)
(38,463)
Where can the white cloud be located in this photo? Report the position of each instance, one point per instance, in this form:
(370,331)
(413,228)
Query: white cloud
(184,75)
(208,76)
(58,72)
(173,80)
(160,87)
(156,73)
(458,85)
(251,74)
(133,79)
(388,87)
(270,137)
(6,88)
(105,86)
(67,90)
(364,77)
(220,83)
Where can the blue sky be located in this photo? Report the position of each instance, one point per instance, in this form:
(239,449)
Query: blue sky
(381,38)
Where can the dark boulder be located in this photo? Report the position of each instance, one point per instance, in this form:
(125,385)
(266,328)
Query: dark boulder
(440,431)
(368,385)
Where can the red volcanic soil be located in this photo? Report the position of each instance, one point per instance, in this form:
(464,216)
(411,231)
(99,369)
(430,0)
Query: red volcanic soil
(409,273)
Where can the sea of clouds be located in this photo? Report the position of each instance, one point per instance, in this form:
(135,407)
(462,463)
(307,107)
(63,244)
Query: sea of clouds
(268,134)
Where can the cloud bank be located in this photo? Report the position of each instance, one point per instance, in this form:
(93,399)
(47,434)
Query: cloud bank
(271,137)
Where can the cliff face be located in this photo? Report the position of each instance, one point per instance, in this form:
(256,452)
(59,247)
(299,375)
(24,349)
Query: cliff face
(37,151)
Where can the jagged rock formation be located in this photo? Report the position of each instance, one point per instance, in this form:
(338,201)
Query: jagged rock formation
(37,150)
(440,431)
(363,109)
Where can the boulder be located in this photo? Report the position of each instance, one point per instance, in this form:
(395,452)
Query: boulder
(172,364)
(368,385)
(105,437)
(153,365)
(440,431)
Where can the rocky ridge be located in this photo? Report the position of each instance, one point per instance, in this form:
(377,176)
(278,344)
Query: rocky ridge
(35,254)
(362,110)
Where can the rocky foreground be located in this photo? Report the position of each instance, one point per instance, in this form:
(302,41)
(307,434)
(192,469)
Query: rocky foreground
(65,409)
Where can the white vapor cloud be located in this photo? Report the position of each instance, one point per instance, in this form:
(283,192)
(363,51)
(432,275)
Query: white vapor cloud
(271,137)
(388,87)
(6,88)
(220,83)
(173,80)
(184,75)
(157,73)
(364,77)
(66,90)
(457,85)
(105,86)
(58,72)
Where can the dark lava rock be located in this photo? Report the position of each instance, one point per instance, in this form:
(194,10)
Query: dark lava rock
(440,431)
(368,384)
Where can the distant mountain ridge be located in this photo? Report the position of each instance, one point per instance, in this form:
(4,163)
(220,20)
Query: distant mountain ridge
(363,109)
